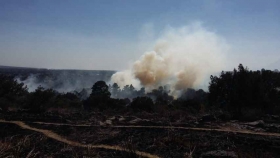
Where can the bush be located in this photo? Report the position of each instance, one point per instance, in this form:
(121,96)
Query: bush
(142,103)
(68,100)
(12,93)
(41,99)
(191,105)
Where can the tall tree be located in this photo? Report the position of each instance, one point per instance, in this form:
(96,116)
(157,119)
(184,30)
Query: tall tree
(115,89)
(100,88)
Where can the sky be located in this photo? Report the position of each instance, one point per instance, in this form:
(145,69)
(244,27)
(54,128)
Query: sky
(111,34)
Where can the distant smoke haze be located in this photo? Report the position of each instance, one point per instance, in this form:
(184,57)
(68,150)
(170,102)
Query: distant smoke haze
(63,80)
(182,58)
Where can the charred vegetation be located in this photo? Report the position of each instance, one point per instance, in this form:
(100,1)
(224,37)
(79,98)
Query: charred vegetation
(196,124)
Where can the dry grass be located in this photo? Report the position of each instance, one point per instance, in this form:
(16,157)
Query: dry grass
(55,136)
(129,145)
(16,147)
(169,142)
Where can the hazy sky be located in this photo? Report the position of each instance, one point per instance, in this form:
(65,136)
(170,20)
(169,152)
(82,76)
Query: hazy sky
(110,34)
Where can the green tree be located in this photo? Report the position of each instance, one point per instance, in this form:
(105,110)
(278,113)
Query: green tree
(243,92)
(100,88)
(12,93)
(99,97)
(115,89)
(41,99)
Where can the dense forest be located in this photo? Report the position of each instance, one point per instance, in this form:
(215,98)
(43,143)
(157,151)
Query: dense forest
(239,94)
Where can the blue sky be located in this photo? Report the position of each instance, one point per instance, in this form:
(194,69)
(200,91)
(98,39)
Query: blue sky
(110,34)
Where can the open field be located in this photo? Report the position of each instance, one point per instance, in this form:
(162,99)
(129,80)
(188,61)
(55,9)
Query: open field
(134,136)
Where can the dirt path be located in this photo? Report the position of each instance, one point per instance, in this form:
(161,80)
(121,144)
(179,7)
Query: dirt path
(223,129)
(59,138)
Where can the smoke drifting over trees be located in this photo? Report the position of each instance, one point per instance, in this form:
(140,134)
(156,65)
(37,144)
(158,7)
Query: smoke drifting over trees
(182,58)
(59,80)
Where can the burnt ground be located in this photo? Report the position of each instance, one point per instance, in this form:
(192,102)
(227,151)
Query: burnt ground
(97,128)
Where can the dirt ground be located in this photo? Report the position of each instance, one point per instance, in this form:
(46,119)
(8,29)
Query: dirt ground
(146,135)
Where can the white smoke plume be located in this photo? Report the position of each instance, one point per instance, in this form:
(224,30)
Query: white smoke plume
(182,58)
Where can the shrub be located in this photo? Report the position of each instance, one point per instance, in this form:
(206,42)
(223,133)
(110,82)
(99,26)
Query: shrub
(142,103)
(41,99)
(12,93)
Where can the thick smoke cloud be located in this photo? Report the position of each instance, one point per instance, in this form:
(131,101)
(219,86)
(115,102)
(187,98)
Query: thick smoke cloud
(182,58)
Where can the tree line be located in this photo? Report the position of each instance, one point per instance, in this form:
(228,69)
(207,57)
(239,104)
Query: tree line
(241,93)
